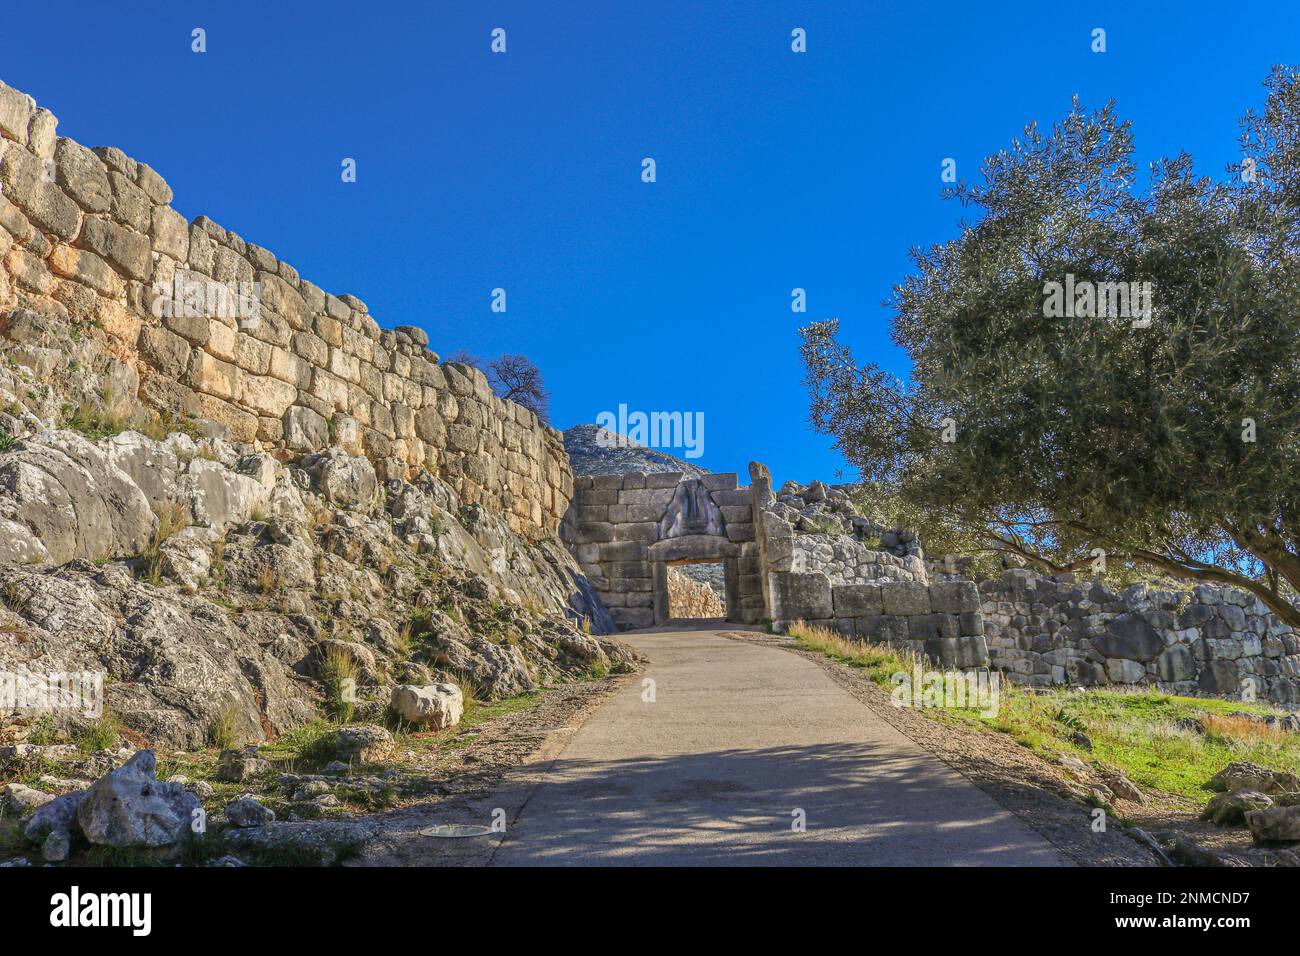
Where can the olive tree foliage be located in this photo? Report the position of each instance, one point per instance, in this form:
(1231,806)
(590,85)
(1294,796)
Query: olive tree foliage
(1174,446)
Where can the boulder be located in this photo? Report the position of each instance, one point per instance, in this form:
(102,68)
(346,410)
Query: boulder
(1251,776)
(236,766)
(364,743)
(57,846)
(58,814)
(1230,808)
(1274,824)
(21,800)
(437,706)
(247,812)
(347,482)
(67,493)
(131,807)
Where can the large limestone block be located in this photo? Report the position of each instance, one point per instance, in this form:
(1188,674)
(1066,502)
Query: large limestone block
(797,596)
(211,376)
(437,705)
(28,182)
(126,249)
(1129,636)
(83,176)
(85,267)
(905,597)
(857,600)
(954,597)
(266,395)
(171,233)
(16,110)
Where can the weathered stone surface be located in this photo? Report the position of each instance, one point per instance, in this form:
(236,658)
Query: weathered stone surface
(247,812)
(346,481)
(130,807)
(363,744)
(82,176)
(1230,808)
(1129,636)
(16,110)
(437,706)
(905,597)
(21,800)
(126,249)
(71,498)
(1243,775)
(1275,824)
(238,765)
(857,600)
(800,596)
(58,815)
(28,182)
(305,430)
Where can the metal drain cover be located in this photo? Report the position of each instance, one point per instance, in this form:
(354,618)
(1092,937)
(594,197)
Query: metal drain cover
(447,831)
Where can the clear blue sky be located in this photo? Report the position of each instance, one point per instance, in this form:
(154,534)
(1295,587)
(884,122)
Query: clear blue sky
(522,170)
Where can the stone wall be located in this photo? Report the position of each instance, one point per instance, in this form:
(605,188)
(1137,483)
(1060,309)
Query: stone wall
(1211,641)
(220,329)
(864,591)
(626,529)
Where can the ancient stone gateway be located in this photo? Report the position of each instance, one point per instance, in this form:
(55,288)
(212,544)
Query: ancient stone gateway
(626,530)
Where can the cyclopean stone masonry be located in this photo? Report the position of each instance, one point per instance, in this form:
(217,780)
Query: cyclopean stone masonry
(218,328)
(626,530)
(857,586)
(1209,641)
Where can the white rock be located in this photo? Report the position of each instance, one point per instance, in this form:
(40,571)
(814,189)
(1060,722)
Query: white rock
(436,705)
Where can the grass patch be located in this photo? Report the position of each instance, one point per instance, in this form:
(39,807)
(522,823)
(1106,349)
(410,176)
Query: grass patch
(7,442)
(173,517)
(1153,738)
(338,671)
(1160,741)
(224,734)
(879,661)
(95,421)
(103,734)
(164,423)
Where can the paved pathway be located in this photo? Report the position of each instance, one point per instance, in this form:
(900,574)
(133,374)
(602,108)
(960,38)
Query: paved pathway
(739,741)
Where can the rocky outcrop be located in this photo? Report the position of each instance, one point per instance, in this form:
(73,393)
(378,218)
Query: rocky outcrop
(594,450)
(220,623)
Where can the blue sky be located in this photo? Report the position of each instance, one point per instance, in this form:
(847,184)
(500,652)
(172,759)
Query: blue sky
(522,170)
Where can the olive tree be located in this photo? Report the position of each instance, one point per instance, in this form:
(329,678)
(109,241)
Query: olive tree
(1048,419)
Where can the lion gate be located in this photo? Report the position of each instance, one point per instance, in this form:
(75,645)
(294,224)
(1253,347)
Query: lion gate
(625,530)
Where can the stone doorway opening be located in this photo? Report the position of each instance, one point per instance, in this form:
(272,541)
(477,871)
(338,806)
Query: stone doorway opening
(698,549)
(696,590)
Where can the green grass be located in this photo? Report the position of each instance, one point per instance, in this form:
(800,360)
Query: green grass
(100,735)
(95,421)
(878,661)
(1146,735)
(1149,736)
(7,442)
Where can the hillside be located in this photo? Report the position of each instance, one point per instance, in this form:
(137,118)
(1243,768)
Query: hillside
(590,454)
